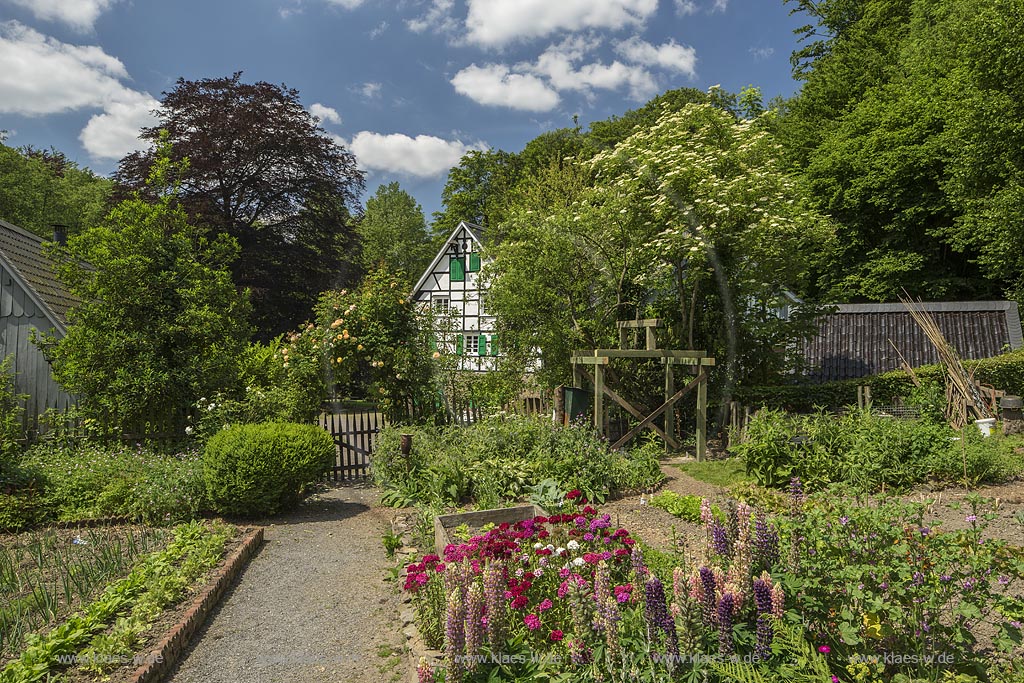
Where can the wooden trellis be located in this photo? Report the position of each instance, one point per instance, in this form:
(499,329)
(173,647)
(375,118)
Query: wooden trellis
(697,362)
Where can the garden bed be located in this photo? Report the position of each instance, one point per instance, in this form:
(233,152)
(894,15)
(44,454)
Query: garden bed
(108,633)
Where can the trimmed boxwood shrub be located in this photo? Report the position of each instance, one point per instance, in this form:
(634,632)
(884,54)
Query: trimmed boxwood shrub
(260,469)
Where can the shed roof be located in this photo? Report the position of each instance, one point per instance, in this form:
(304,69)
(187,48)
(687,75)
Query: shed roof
(857,339)
(22,252)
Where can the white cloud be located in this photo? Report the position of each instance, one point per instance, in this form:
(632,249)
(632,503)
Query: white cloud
(670,55)
(80,15)
(423,156)
(686,7)
(495,85)
(762,53)
(378,30)
(370,90)
(41,75)
(494,23)
(557,65)
(720,6)
(438,18)
(325,114)
(115,133)
(347,4)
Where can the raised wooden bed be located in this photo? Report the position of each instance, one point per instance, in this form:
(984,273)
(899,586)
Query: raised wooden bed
(474,520)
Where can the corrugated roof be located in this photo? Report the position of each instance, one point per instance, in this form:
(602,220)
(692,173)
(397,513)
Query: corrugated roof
(857,340)
(23,251)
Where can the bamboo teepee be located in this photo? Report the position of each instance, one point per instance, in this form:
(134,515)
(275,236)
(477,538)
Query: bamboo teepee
(962,395)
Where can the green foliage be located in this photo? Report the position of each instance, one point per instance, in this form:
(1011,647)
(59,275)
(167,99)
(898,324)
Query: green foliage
(1004,372)
(40,188)
(10,417)
(683,506)
(261,469)
(505,458)
(394,232)
(160,323)
(365,343)
(130,605)
(868,577)
(83,481)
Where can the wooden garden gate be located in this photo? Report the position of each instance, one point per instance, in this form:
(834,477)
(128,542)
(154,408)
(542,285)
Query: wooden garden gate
(355,429)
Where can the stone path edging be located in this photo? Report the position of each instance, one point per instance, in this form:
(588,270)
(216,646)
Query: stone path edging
(161,658)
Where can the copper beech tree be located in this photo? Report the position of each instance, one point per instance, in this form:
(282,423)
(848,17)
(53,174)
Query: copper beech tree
(262,170)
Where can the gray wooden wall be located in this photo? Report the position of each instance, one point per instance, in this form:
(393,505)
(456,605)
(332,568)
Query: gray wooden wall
(18,316)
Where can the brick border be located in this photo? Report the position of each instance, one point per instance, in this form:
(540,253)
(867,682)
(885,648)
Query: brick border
(166,652)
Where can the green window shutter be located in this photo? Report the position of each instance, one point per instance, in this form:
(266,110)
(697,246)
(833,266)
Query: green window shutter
(494,345)
(474,262)
(457,270)
(482,350)
(458,346)
(433,344)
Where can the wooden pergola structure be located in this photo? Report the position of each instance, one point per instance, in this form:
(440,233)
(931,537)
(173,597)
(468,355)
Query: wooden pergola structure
(697,363)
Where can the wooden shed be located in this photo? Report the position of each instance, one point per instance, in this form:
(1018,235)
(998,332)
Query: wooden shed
(31,298)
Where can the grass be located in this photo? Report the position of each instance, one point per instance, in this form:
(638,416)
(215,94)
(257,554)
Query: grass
(723,473)
(46,574)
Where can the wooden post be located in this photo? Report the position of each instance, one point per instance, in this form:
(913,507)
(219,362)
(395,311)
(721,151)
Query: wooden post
(623,338)
(560,403)
(670,414)
(599,399)
(652,343)
(702,418)
(405,445)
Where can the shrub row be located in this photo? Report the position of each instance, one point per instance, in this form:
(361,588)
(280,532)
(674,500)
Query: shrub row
(1004,372)
(254,469)
(506,458)
(871,452)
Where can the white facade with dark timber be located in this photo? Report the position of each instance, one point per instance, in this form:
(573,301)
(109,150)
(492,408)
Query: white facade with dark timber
(451,284)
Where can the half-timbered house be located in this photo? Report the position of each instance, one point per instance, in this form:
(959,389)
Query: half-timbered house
(451,287)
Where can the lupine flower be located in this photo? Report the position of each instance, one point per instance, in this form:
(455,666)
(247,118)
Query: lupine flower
(763,602)
(424,673)
(796,490)
(766,543)
(454,635)
(474,628)
(579,653)
(638,564)
(494,603)
(778,601)
(708,599)
(610,617)
(725,642)
(719,539)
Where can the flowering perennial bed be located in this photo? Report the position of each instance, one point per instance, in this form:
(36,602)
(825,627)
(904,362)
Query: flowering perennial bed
(829,591)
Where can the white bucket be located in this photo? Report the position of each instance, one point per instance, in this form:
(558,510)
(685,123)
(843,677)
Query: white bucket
(985,426)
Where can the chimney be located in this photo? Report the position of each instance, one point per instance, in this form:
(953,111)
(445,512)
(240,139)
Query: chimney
(60,234)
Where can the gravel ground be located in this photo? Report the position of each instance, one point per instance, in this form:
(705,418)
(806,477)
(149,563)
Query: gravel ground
(311,606)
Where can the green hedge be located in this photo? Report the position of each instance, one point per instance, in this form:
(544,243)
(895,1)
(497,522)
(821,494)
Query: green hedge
(1004,372)
(261,469)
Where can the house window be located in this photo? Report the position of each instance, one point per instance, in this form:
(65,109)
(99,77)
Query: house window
(457,270)
(441,304)
(472,345)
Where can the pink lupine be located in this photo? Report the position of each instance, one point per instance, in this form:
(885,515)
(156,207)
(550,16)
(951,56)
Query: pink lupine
(494,603)
(474,627)
(454,635)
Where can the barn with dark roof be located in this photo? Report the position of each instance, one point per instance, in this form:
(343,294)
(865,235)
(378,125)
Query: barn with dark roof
(856,340)
(31,298)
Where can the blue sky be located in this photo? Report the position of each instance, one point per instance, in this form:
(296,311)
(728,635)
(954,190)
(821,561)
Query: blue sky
(408,85)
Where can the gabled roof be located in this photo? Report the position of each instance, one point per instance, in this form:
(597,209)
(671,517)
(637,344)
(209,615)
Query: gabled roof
(474,232)
(857,339)
(21,253)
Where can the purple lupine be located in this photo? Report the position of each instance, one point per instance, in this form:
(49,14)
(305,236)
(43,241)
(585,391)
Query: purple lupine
(579,653)
(655,611)
(719,539)
(494,603)
(766,542)
(725,642)
(610,616)
(708,601)
(474,627)
(454,635)
(796,492)
(763,601)
(636,558)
